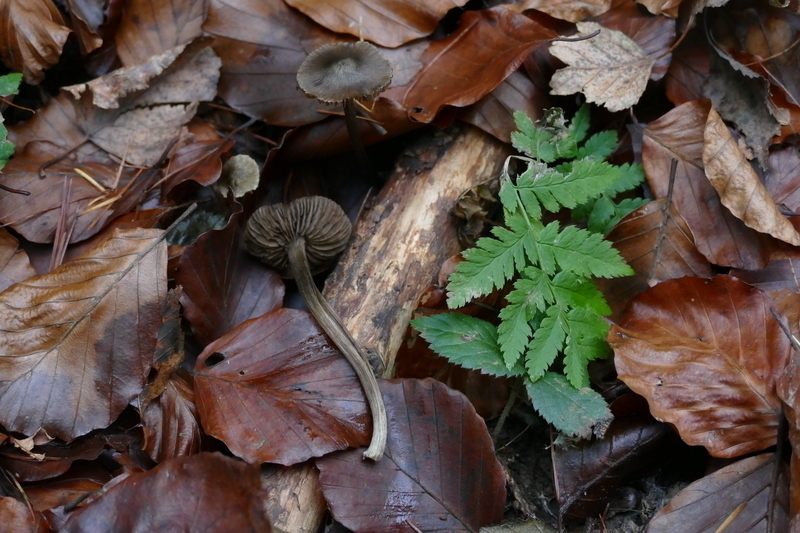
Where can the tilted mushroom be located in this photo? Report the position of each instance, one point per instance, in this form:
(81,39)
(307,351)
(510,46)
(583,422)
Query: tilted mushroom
(343,73)
(304,237)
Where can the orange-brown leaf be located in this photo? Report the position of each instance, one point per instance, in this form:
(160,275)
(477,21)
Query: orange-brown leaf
(387,24)
(706,356)
(485,49)
(32,34)
(77,343)
(738,185)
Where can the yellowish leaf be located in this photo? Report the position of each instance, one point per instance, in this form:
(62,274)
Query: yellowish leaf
(609,68)
(738,185)
(571,10)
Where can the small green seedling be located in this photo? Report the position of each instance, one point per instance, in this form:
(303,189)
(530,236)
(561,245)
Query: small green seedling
(554,316)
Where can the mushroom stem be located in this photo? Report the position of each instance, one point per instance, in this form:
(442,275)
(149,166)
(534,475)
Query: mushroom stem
(333,327)
(351,119)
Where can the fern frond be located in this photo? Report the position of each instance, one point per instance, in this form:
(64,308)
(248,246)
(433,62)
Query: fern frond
(577,250)
(491,263)
(599,146)
(547,342)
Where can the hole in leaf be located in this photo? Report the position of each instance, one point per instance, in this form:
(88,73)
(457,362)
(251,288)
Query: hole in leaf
(214,359)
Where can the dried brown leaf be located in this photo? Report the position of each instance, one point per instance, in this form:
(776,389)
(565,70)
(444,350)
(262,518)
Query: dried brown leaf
(494,113)
(571,10)
(14,263)
(32,34)
(658,244)
(610,68)
(389,25)
(78,342)
(224,285)
(668,8)
(217,494)
(734,499)
(150,27)
(17,517)
(461,69)
(706,356)
(719,235)
(738,185)
(274,390)
(170,423)
(439,471)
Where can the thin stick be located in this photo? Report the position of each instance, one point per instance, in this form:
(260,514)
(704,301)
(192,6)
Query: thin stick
(333,327)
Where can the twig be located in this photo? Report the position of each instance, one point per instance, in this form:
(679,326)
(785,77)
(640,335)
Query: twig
(507,409)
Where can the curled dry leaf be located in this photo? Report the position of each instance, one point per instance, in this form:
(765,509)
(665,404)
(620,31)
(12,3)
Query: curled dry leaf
(439,471)
(610,68)
(14,263)
(32,34)
(274,390)
(571,10)
(738,185)
(494,113)
(591,471)
(461,69)
(658,244)
(734,498)
(668,8)
(170,422)
(719,235)
(16,516)
(150,27)
(217,494)
(78,342)
(223,285)
(706,356)
(137,126)
(76,484)
(384,24)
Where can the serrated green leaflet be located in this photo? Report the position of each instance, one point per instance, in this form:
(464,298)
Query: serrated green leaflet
(572,411)
(466,341)
(9,84)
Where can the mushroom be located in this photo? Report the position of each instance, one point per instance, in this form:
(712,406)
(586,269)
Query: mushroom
(304,237)
(342,73)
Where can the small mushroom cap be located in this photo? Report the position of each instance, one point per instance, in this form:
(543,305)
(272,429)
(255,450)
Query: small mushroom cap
(319,220)
(335,72)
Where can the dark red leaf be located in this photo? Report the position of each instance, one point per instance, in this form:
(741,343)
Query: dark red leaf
(204,493)
(170,422)
(439,471)
(223,285)
(275,390)
(17,517)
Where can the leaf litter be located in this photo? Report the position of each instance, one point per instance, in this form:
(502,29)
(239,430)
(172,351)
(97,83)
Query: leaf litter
(112,393)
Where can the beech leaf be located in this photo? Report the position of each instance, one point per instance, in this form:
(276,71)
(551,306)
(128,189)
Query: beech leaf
(734,498)
(275,390)
(738,185)
(32,34)
(439,470)
(610,68)
(706,355)
(77,343)
(207,492)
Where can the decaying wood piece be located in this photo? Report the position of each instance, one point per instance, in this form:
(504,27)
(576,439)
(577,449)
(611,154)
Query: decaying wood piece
(399,243)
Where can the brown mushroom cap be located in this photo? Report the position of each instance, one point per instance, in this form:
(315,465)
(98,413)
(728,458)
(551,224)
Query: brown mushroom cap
(336,72)
(319,220)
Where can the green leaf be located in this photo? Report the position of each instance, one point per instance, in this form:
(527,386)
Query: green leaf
(553,190)
(577,250)
(514,330)
(630,177)
(578,353)
(466,341)
(580,123)
(491,263)
(571,411)
(599,146)
(602,212)
(9,84)
(548,341)
(531,140)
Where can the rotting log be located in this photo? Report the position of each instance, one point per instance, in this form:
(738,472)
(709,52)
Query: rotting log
(399,243)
